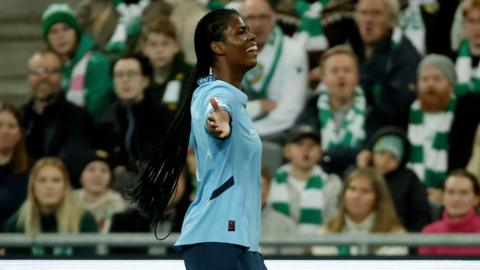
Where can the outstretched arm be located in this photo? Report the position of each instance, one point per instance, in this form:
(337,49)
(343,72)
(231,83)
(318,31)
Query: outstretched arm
(218,121)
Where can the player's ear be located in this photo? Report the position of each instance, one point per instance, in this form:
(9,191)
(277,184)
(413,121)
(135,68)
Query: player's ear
(217,47)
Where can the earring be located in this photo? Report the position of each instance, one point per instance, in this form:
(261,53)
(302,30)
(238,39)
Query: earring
(210,71)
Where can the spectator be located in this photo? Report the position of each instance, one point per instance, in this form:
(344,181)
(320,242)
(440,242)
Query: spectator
(388,153)
(277,86)
(170,72)
(468,54)
(388,62)
(14,162)
(474,163)
(54,126)
(460,198)
(51,207)
(339,110)
(430,120)
(86,77)
(301,189)
(95,194)
(135,122)
(273,222)
(132,221)
(365,208)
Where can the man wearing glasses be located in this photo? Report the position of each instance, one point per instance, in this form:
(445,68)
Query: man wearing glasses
(135,122)
(54,126)
(277,86)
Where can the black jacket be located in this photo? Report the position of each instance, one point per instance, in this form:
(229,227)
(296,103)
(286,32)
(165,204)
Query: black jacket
(63,130)
(407,192)
(395,69)
(151,122)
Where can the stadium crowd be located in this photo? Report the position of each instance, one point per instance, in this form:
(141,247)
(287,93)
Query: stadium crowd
(373,105)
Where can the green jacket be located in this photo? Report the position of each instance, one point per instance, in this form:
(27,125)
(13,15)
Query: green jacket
(98,79)
(49,225)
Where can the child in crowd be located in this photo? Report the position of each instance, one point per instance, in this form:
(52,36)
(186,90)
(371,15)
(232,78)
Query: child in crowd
(300,189)
(160,44)
(388,153)
(95,194)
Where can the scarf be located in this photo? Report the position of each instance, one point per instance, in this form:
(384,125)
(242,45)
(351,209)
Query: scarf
(429,152)
(311,32)
(257,80)
(412,24)
(130,17)
(395,41)
(309,202)
(351,133)
(468,80)
(76,93)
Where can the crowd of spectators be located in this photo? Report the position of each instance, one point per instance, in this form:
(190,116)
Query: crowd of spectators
(374,106)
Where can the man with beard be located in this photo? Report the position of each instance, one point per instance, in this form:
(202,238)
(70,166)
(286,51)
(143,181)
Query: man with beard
(54,126)
(430,120)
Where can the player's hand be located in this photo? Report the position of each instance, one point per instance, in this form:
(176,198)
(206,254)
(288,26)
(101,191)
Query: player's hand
(218,122)
(268,105)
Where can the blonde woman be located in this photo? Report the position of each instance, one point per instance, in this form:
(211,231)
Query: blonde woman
(365,208)
(51,207)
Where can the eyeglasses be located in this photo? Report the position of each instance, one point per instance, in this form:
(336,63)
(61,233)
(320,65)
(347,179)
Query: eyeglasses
(126,73)
(43,70)
(260,18)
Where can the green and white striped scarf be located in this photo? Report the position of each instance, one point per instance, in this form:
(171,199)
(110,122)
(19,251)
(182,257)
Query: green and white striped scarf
(256,81)
(429,152)
(311,30)
(307,207)
(468,80)
(412,24)
(395,40)
(130,15)
(351,133)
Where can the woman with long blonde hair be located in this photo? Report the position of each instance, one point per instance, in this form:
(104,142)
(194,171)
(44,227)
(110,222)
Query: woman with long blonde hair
(51,207)
(365,207)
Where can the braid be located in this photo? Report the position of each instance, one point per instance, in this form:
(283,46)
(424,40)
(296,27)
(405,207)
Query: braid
(158,180)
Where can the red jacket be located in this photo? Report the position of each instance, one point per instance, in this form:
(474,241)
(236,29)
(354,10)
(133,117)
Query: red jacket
(469,224)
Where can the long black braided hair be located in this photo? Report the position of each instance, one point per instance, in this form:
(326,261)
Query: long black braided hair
(158,180)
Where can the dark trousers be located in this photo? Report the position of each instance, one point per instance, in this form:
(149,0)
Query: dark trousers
(221,256)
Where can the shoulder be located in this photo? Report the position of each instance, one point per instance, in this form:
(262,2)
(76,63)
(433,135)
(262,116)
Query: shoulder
(435,227)
(11,224)
(98,60)
(87,222)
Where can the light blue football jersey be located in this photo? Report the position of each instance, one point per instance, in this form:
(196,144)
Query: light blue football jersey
(227,208)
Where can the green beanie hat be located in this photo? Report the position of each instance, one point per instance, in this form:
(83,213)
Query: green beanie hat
(59,13)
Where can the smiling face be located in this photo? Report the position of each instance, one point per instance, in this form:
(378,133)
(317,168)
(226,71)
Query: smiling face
(49,187)
(260,18)
(239,47)
(62,39)
(10,131)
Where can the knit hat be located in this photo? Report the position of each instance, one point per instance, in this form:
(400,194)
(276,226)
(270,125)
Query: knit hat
(91,156)
(390,143)
(443,63)
(302,131)
(59,13)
